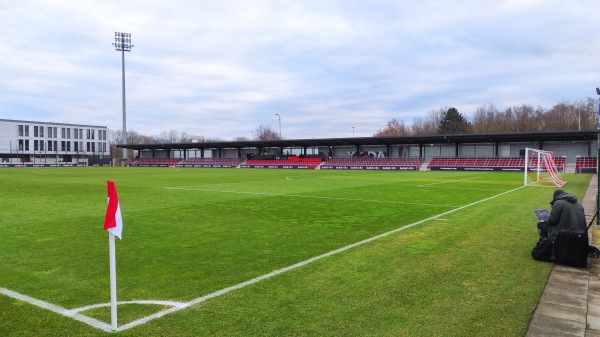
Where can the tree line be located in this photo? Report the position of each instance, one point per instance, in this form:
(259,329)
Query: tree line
(260,133)
(565,115)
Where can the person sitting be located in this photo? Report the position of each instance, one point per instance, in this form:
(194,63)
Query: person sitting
(566,213)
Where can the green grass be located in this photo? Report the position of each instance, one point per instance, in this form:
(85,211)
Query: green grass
(191,232)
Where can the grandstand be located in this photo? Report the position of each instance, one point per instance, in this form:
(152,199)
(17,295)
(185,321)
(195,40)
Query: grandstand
(573,151)
(582,165)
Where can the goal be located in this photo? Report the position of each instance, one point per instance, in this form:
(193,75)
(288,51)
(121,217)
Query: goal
(541,170)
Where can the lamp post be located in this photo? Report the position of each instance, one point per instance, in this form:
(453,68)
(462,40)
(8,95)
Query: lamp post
(279,117)
(123,44)
(598,156)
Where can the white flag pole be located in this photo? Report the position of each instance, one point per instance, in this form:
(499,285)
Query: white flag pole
(113,281)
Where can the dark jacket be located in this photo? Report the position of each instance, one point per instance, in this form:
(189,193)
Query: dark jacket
(566,213)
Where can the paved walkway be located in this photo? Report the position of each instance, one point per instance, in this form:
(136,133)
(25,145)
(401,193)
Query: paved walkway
(570,304)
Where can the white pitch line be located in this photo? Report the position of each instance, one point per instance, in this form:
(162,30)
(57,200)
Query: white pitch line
(309,197)
(297,265)
(57,309)
(447,182)
(180,306)
(149,302)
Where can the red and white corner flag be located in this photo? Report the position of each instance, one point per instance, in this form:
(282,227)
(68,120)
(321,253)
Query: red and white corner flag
(113,221)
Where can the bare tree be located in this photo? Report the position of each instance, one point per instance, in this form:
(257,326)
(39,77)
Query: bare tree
(188,138)
(266,132)
(429,125)
(395,127)
(485,119)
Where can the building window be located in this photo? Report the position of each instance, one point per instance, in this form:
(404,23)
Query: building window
(26,145)
(49,132)
(55,145)
(68,133)
(41,144)
(20,130)
(68,146)
(50,145)
(26,130)
(76,145)
(20,144)
(76,133)
(35,131)
(55,133)
(35,144)
(41,131)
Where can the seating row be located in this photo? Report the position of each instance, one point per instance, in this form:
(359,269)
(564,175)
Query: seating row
(585,162)
(212,161)
(581,162)
(374,161)
(490,162)
(309,162)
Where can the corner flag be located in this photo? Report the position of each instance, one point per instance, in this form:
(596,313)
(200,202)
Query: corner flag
(113,221)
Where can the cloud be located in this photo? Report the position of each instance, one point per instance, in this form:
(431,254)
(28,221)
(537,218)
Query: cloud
(222,68)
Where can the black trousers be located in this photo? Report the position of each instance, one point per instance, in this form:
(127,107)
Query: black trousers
(543,229)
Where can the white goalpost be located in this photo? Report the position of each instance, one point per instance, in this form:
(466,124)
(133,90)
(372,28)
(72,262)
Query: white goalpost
(541,170)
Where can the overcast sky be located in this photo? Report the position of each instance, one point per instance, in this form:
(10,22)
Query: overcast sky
(220,69)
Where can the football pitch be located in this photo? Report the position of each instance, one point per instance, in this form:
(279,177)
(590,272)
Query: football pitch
(251,252)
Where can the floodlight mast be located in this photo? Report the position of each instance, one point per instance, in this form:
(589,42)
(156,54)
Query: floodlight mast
(123,44)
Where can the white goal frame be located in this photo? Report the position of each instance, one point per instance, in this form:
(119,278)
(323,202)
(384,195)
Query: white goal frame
(541,170)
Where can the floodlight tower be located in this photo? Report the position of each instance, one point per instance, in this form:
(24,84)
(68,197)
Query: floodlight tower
(123,44)
(279,117)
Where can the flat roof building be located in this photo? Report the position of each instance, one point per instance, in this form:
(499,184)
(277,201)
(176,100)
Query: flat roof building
(49,143)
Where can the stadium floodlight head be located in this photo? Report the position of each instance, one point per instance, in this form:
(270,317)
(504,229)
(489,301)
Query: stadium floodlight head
(122,41)
(598,90)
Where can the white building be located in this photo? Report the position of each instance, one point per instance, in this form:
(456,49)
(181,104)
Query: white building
(46,143)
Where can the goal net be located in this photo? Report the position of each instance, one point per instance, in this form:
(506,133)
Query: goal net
(541,169)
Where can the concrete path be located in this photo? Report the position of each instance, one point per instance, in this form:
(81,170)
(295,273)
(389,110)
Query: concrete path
(570,304)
